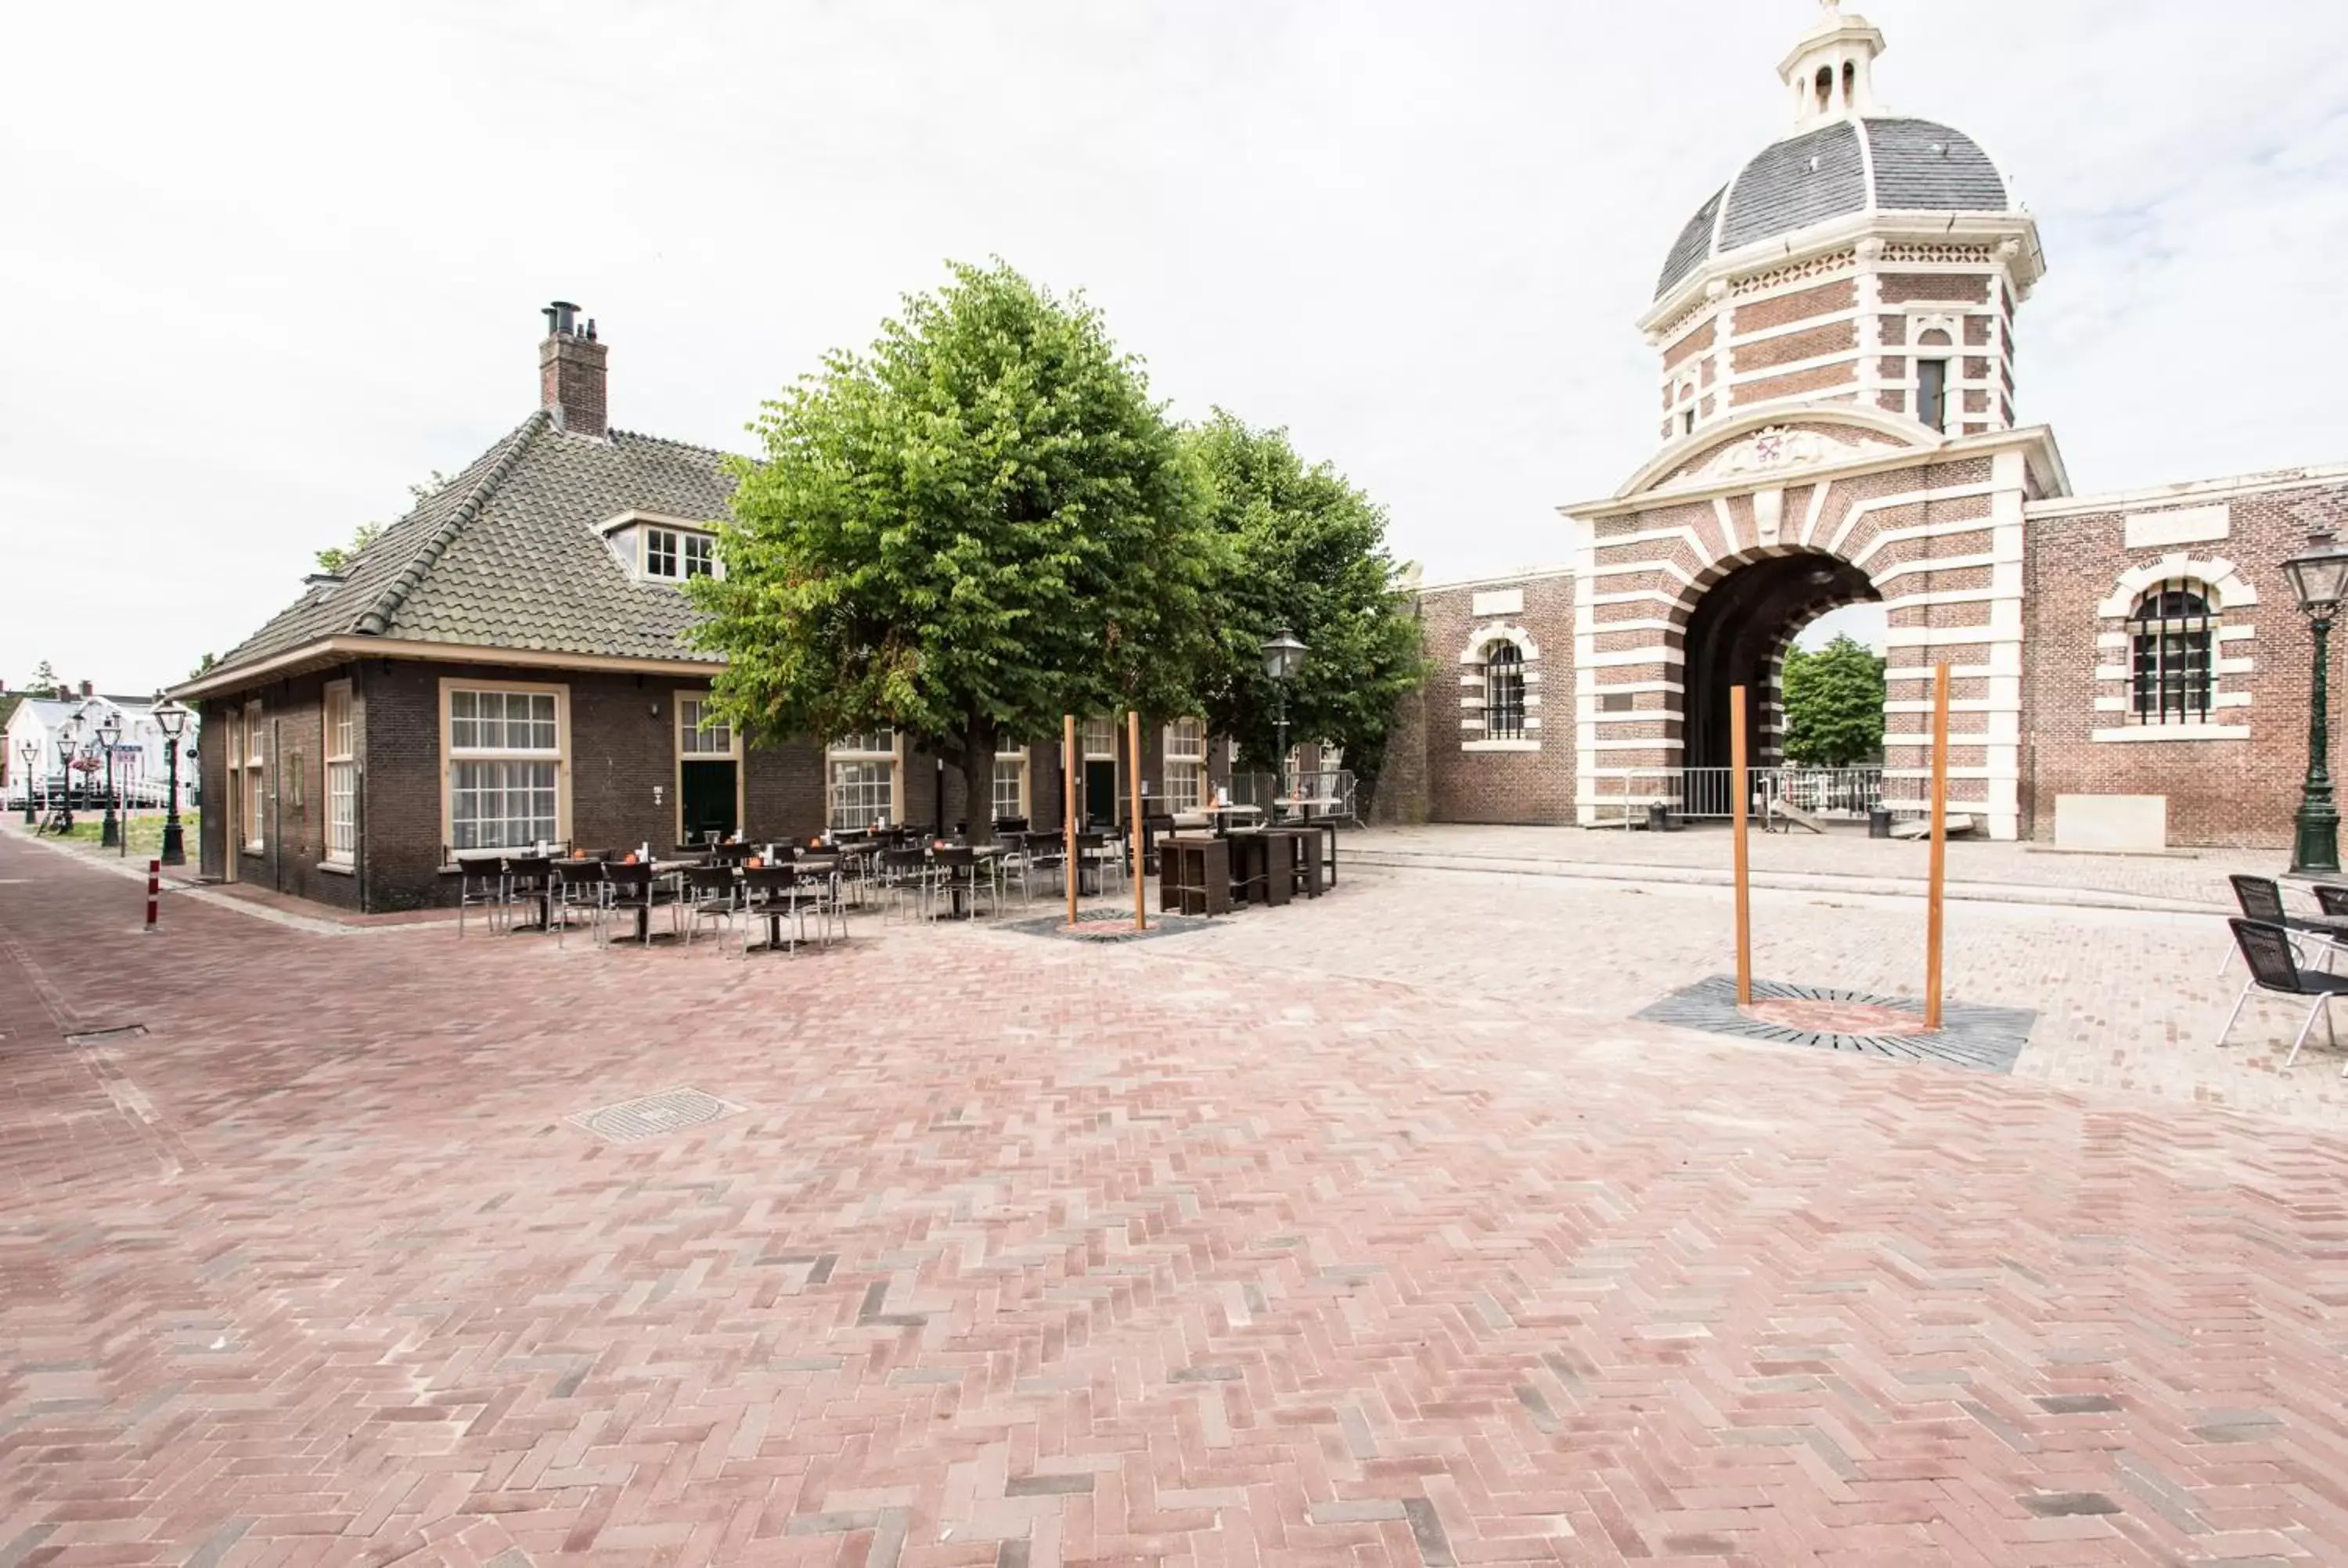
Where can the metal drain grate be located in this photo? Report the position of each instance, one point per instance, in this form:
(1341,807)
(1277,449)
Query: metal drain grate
(634,1121)
(109,1035)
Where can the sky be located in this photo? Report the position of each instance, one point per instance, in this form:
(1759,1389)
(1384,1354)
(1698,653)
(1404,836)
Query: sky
(267,265)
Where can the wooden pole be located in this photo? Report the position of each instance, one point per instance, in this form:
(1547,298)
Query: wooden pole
(1068,798)
(1736,790)
(1133,750)
(1936,899)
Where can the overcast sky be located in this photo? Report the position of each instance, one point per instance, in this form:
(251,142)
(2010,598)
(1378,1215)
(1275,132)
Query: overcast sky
(265,266)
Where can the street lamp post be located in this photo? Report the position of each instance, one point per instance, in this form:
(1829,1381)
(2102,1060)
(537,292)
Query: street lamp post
(2319,577)
(30,750)
(110,730)
(68,754)
(1283,656)
(171,716)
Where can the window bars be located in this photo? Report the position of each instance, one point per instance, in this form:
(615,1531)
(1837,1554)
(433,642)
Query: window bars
(2172,642)
(1504,692)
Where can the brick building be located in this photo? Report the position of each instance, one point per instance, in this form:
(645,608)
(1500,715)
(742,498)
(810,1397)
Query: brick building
(1836,332)
(508,664)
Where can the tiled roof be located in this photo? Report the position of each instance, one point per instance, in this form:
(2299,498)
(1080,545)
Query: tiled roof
(1905,166)
(506,555)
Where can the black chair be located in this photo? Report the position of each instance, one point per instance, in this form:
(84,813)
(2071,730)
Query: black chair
(2332,899)
(637,889)
(906,873)
(581,887)
(710,898)
(958,874)
(2274,968)
(530,879)
(481,885)
(2261,900)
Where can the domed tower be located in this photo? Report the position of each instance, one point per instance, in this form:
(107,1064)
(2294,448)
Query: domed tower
(1865,258)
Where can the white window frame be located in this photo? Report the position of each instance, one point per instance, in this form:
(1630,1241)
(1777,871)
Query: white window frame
(452,755)
(340,748)
(254,829)
(1185,765)
(1016,759)
(692,745)
(858,750)
(683,549)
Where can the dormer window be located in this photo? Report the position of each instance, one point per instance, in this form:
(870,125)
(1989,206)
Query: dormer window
(678,554)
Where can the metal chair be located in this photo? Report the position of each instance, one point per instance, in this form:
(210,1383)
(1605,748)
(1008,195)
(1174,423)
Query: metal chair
(2261,900)
(710,898)
(529,877)
(956,866)
(481,885)
(581,887)
(639,891)
(2274,968)
(906,873)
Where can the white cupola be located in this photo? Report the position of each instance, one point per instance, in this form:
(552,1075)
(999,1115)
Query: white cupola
(1831,72)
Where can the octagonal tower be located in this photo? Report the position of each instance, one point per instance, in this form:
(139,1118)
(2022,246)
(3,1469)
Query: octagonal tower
(1865,258)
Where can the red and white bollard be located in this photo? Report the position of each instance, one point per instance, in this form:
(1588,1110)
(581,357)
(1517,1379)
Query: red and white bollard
(154,889)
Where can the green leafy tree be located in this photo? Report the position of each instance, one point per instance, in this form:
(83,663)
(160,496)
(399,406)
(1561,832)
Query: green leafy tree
(335,558)
(980,525)
(45,678)
(1306,550)
(204,665)
(1834,705)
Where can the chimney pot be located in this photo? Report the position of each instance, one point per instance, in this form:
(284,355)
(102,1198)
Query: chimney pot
(85,689)
(570,378)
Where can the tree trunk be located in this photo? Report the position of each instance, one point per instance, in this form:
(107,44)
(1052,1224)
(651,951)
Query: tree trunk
(979,739)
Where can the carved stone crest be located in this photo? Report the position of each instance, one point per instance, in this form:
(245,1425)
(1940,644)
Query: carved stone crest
(1776,447)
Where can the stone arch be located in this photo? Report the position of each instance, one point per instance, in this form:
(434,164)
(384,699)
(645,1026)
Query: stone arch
(1474,731)
(2228,588)
(1733,625)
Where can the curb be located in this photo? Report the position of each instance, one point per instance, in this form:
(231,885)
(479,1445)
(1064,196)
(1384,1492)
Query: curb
(1788,882)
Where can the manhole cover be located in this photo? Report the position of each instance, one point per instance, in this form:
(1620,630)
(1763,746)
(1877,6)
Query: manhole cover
(109,1035)
(634,1121)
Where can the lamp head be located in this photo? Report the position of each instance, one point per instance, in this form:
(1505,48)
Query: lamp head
(2319,575)
(1283,655)
(172,716)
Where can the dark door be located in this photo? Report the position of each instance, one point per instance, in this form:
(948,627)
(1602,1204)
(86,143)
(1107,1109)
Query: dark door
(708,799)
(1100,793)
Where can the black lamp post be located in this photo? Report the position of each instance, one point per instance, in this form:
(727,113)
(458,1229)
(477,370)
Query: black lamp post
(68,754)
(110,730)
(1283,656)
(2319,577)
(171,716)
(30,750)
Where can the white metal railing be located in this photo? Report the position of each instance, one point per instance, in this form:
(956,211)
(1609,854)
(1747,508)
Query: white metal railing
(1705,793)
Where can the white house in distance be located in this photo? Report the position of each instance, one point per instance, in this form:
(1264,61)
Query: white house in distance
(141,759)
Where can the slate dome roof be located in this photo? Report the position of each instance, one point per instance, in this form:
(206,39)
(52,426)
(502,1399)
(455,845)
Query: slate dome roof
(1874,163)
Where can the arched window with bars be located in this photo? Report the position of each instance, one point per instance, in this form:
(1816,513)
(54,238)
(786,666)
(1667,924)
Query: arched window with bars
(2172,648)
(1504,692)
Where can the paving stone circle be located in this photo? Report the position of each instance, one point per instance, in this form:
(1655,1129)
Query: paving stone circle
(670,1109)
(1986,1039)
(1096,926)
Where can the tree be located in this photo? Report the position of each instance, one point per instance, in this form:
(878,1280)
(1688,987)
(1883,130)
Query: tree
(1306,550)
(45,678)
(978,525)
(204,665)
(1834,705)
(335,558)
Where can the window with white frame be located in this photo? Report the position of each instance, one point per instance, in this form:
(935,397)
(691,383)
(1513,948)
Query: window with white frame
(1504,692)
(342,777)
(1186,764)
(1100,739)
(679,553)
(505,767)
(863,779)
(255,801)
(700,731)
(2172,643)
(1010,791)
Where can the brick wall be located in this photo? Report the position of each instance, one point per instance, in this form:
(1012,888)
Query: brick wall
(1517,786)
(2220,792)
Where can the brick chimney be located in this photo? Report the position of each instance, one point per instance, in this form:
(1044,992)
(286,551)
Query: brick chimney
(85,689)
(571,371)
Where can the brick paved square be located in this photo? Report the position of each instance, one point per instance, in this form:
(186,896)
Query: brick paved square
(1375,1230)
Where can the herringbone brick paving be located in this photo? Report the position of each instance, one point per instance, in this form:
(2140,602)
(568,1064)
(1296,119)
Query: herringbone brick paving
(1021,1253)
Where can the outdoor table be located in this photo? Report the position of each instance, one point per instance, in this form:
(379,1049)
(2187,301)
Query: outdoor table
(1221,816)
(1194,875)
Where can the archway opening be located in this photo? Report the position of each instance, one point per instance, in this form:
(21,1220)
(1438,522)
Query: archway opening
(1737,635)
